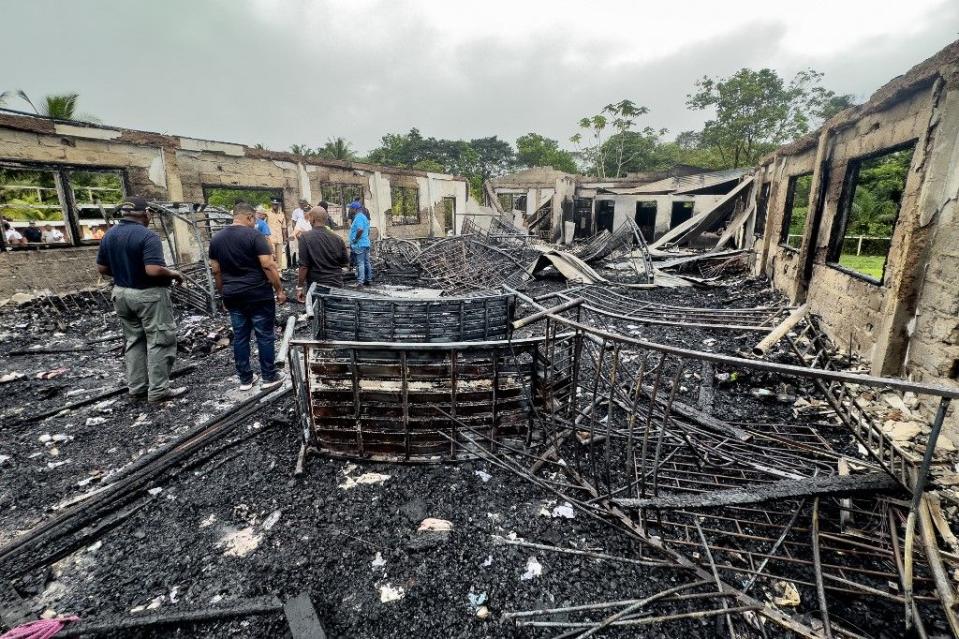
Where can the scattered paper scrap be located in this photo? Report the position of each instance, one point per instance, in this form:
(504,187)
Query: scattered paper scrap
(533,569)
(431,524)
(390,593)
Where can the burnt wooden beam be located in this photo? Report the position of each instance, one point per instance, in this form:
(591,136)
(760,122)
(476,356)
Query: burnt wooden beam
(787,488)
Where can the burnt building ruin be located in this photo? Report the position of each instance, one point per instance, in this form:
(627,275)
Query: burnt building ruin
(697,403)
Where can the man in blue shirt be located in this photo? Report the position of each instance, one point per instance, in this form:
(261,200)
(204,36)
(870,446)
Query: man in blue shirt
(360,243)
(261,224)
(133,256)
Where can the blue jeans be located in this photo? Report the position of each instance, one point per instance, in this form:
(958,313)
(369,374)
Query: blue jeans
(364,272)
(247,318)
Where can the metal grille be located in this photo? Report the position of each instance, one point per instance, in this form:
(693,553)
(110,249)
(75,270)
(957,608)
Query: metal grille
(368,319)
(423,402)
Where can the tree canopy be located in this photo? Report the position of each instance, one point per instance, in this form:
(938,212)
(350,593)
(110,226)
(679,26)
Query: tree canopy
(61,106)
(477,160)
(534,149)
(756,111)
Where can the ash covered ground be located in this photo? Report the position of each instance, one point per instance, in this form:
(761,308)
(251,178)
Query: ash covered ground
(238,524)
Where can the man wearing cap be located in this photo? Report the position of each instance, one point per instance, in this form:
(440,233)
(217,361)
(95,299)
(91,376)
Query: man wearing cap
(360,243)
(133,256)
(276,220)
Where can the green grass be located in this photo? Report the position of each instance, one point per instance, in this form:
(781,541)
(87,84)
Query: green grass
(870,265)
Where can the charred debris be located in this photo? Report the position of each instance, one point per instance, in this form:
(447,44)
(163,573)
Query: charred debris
(731,471)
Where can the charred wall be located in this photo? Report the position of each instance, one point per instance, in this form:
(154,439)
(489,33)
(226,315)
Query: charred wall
(905,322)
(163,167)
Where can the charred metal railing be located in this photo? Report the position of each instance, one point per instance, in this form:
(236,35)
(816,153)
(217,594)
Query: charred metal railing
(423,402)
(813,349)
(446,319)
(776,507)
(186,230)
(396,256)
(627,242)
(465,263)
(610,303)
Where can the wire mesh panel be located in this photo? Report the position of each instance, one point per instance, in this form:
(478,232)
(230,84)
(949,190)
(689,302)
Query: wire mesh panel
(448,319)
(464,263)
(421,402)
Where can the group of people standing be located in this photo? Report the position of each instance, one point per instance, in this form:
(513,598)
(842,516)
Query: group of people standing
(246,269)
(273,225)
(32,234)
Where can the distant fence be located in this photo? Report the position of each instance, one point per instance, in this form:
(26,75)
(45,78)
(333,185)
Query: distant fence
(855,244)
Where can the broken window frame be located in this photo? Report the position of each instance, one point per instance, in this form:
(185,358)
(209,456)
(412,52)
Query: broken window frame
(762,209)
(408,196)
(271,192)
(106,211)
(340,194)
(788,212)
(71,219)
(840,221)
(449,212)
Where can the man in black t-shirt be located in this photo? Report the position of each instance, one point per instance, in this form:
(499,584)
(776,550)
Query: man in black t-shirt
(247,277)
(33,233)
(322,256)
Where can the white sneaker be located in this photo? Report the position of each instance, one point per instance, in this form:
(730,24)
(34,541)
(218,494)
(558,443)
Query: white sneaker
(246,387)
(276,383)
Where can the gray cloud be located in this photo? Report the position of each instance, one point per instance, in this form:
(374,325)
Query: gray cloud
(210,69)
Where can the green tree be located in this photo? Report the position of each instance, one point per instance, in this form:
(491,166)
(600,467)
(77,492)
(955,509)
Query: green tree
(476,160)
(879,186)
(61,106)
(608,144)
(493,156)
(304,149)
(756,111)
(534,149)
(833,104)
(337,149)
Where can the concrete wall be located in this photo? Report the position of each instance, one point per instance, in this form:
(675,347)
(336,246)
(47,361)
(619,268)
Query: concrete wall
(48,271)
(907,324)
(624,207)
(163,167)
(783,263)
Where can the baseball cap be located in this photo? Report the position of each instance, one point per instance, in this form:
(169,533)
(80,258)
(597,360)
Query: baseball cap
(355,205)
(132,204)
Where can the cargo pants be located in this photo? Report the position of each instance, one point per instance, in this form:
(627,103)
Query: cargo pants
(149,333)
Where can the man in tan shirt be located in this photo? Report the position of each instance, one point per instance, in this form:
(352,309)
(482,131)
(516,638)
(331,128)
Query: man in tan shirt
(276,219)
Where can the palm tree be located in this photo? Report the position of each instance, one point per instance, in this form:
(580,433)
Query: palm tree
(302,149)
(337,149)
(56,106)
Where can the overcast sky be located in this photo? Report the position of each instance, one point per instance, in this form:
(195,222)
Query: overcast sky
(280,72)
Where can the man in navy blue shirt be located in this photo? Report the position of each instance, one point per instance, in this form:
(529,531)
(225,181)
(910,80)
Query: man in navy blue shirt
(133,256)
(247,277)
